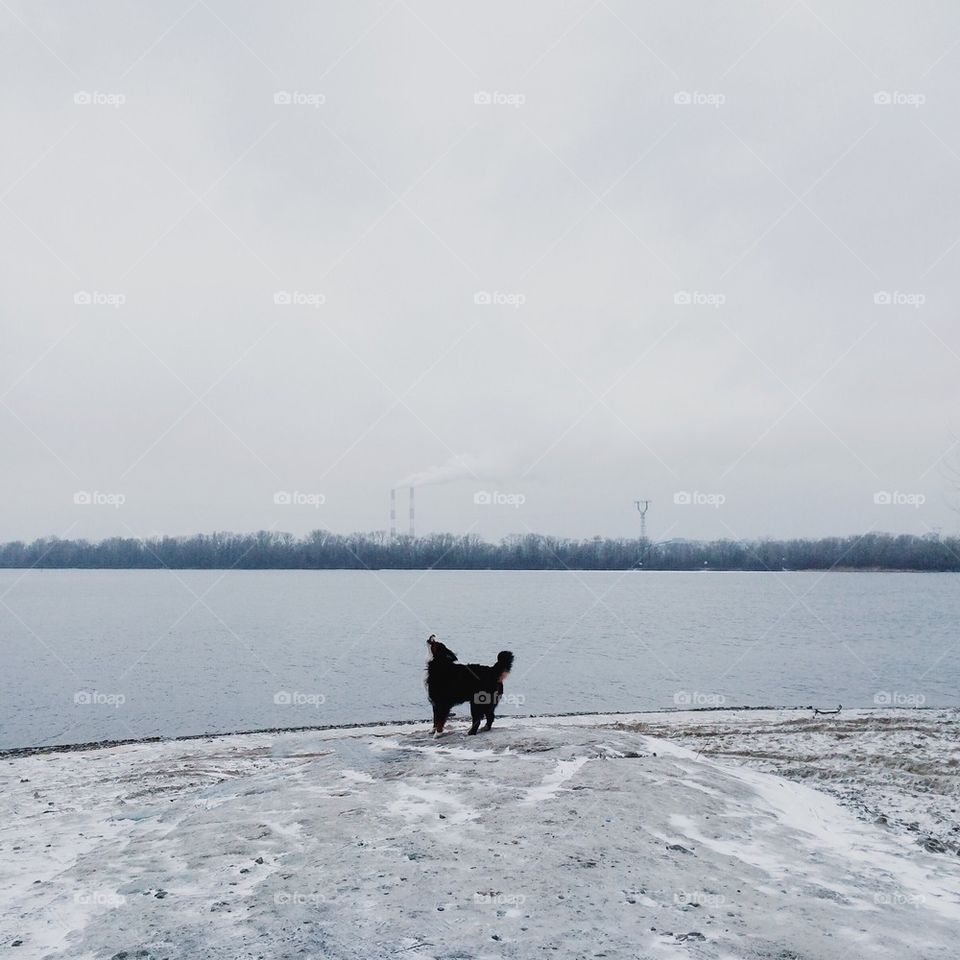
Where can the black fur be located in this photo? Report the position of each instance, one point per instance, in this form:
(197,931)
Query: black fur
(450,683)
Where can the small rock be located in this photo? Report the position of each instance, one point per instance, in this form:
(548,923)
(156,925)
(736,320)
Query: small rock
(693,936)
(258,860)
(679,848)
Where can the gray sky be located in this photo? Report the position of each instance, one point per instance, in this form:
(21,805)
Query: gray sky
(583,166)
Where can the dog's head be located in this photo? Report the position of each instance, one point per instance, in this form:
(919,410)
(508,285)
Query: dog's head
(439,652)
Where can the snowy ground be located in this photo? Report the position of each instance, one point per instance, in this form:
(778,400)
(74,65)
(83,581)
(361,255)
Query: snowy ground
(897,768)
(661,836)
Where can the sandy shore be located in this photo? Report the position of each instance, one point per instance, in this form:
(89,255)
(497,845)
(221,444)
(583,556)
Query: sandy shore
(767,834)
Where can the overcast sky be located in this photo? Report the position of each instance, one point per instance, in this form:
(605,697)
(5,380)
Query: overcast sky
(571,253)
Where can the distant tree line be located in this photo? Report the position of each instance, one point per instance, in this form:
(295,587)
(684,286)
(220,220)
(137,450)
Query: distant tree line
(322,550)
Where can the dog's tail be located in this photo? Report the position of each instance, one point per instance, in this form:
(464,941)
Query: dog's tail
(503,664)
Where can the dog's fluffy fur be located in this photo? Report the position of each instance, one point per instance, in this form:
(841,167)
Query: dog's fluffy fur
(450,683)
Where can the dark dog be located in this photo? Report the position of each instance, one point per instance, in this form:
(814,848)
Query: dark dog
(450,683)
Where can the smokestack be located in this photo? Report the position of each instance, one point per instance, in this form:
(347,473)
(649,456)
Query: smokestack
(412,534)
(393,514)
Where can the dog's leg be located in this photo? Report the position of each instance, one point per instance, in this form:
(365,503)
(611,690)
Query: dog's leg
(493,706)
(440,714)
(476,714)
(489,713)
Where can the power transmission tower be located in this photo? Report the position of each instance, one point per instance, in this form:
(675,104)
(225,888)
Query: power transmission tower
(642,507)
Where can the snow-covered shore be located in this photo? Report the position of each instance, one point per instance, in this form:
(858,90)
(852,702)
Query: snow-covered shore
(657,835)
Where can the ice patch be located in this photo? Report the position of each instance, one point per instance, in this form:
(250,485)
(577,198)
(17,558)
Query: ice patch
(357,776)
(426,808)
(550,786)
